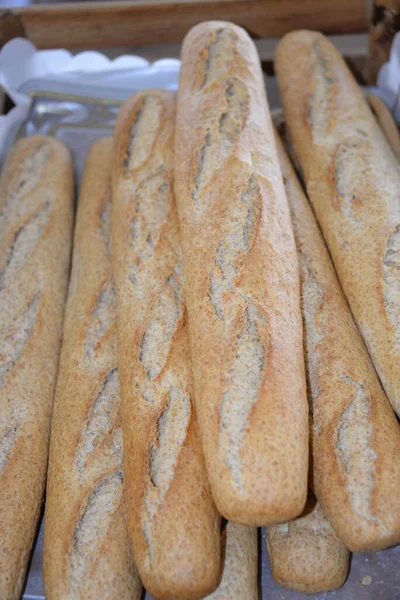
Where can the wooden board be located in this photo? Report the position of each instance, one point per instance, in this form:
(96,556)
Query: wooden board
(99,25)
(353,46)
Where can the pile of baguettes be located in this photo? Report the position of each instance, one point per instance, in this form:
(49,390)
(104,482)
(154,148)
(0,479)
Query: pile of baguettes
(211,329)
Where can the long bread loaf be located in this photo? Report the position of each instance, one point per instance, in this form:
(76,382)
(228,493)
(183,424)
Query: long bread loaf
(36,210)
(241,281)
(355,437)
(173,521)
(239,569)
(386,122)
(305,554)
(353,181)
(87,552)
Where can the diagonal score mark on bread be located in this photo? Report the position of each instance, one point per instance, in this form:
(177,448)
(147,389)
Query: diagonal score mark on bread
(97,511)
(173,420)
(165,315)
(102,419)
(8,436)
(23,245)
(206,159)
(218,141)
(18,333)
(348,162)
(322,95)
(241,234)
(391,279)
(354,448)
(313,310)
(172,426)
(242,387)
(26,179)
(219,56)
(149,218)
(145,127)
(102,318)
(105,222)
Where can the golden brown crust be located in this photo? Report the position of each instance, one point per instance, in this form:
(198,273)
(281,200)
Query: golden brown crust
(355,435)
(87,552)
(239,570)
(305,554)
(353,181)
(174,525)
(386,122)
(36,195)
(241,278)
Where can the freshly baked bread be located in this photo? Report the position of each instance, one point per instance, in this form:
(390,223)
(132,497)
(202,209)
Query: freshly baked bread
(36,211)
(174,524)
(241,281)
(386,122)
(239,569)
(87,553)
(305,554)
(355,437)
(353,181)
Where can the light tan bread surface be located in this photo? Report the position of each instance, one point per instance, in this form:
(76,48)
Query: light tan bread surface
(355,437)
(240,563)
(87,553)
(386,122)
(305,554)
(353,181)
(241,278)
(36,211)
(174,525)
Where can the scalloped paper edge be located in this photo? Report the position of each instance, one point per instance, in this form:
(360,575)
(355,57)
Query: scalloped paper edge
(21,61)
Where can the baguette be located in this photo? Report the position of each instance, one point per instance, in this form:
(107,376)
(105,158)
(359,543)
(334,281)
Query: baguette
(353,181)
(305,554)
(36,211)
(239,571)
(241,278)
(386,122)
(355,439)
(174,525)
(87,552)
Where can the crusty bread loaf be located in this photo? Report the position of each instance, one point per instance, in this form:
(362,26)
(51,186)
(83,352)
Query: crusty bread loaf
(241,281)
(36,210)
(87,553)
(239,569)
(386,122)
(355,436)
(305,554)
(353,181)
(174,524)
